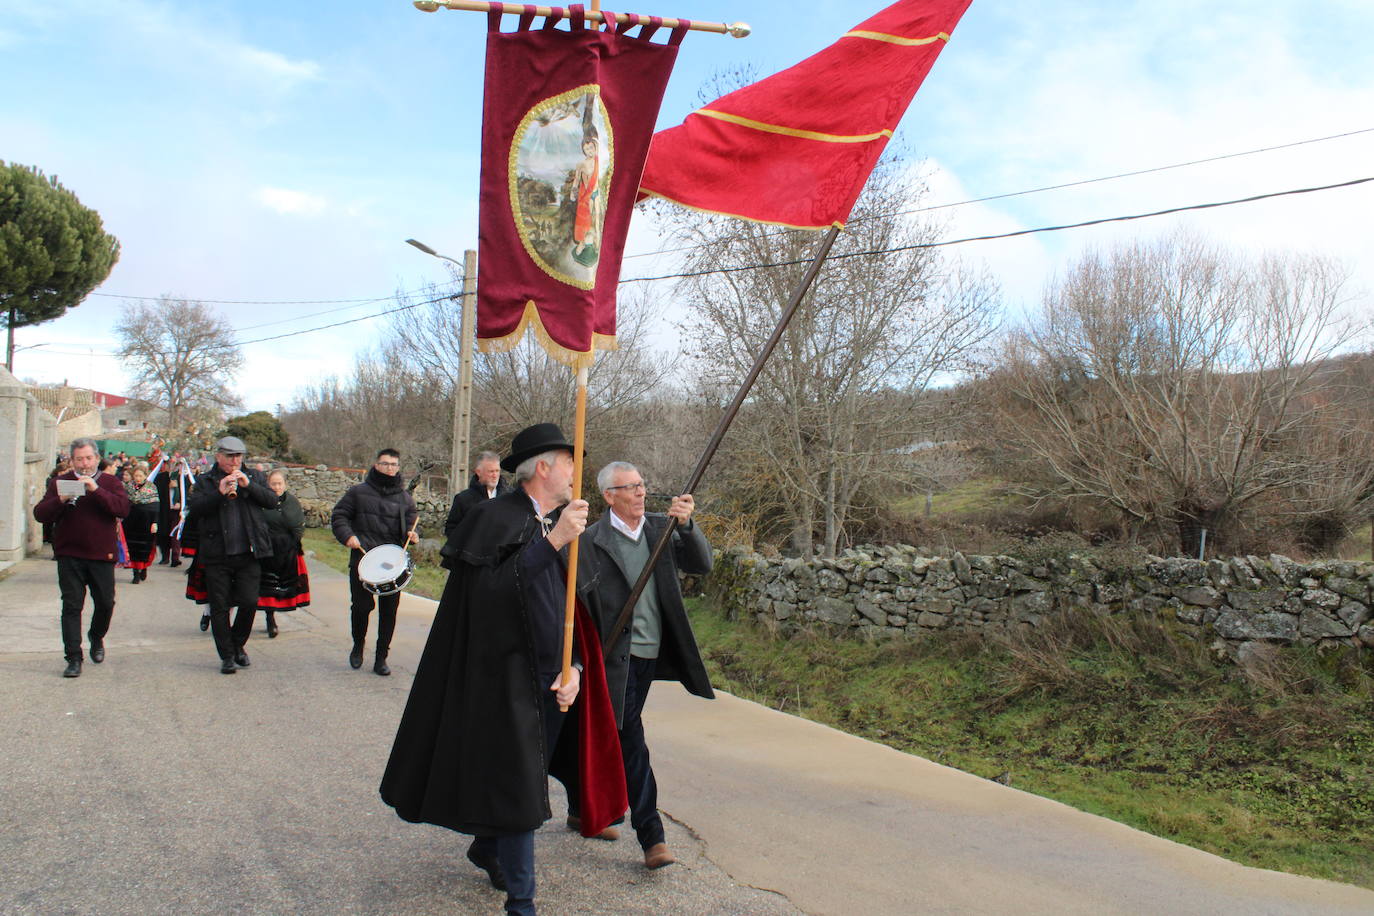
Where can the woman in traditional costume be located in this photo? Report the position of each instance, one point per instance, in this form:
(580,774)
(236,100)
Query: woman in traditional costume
(285,583)
(140,528)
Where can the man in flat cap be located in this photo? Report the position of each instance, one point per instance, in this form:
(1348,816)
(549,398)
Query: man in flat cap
(472,749)
(227,503)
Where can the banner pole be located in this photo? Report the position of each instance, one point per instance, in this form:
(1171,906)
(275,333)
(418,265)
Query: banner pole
(798,293)
(734,29)
(570,606)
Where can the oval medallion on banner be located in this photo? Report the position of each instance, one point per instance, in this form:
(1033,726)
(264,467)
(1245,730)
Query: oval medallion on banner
(560,177)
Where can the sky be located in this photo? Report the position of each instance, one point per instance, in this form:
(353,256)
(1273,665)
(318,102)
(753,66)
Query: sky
(271,158)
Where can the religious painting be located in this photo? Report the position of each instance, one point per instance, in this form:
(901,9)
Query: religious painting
(560,175)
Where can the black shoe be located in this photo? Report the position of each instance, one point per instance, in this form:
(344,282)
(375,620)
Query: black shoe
(241,659)
(226,665)
(489,865)
(355,658)
(174,564)
(205,623)
(272,628)
(135,579)
(163,562)
(73,668)
(97,651)
(379,667)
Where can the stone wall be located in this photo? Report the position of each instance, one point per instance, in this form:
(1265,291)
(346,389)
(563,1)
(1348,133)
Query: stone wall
(895,592)
(28,446)
(320,487)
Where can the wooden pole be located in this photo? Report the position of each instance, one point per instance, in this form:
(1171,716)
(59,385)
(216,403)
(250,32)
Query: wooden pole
(735,30)
(570,606)
(462,396)
(798,293)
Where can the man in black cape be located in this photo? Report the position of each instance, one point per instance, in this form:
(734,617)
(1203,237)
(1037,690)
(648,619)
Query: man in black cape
(472,749)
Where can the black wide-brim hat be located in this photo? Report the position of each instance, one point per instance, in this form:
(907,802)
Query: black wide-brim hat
(534,440)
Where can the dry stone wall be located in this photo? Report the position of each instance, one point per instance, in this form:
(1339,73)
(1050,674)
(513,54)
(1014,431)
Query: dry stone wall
(896,592)
(320,487)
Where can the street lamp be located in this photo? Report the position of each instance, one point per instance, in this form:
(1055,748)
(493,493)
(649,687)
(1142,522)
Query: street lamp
(462,401)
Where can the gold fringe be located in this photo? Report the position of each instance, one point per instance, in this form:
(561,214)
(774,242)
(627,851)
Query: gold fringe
(530,321)
(792,131)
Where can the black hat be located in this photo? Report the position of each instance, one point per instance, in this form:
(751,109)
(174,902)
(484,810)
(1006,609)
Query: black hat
(534,440)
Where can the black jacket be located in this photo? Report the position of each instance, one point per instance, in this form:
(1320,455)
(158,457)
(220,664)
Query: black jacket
(377,511)
(224,526)
(679,659)
(462,504)
(469,753)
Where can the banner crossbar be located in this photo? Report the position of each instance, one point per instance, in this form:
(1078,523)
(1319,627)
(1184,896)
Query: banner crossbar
(734,30)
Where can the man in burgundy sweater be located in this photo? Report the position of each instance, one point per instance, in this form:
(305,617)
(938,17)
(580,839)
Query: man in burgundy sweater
(83,540)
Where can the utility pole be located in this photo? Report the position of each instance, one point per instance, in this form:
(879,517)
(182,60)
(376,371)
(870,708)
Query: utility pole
(462,390)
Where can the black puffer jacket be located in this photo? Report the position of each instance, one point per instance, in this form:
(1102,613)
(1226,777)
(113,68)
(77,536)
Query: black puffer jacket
(377,511)
(225,527)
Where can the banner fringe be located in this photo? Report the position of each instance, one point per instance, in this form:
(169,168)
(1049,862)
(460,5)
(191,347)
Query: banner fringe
(530,321)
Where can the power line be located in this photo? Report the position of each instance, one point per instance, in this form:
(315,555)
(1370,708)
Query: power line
(1019,232)
(1059,187)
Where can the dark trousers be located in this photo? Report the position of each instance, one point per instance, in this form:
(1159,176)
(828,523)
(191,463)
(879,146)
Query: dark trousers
(75,577)
(640,785)
(361,606)
(515,851)
(232,582)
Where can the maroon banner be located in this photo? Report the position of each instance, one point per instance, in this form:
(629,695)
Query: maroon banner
(566,123)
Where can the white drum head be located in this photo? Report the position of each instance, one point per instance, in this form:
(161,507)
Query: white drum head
(383,565)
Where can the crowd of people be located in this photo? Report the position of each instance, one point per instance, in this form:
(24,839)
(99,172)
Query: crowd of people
(484,726)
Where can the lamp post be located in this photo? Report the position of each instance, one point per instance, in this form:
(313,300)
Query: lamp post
(462,401)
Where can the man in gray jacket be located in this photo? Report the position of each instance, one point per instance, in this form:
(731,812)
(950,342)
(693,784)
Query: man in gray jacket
(658,644)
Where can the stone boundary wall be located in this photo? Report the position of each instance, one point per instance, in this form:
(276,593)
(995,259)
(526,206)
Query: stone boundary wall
(895,592)
(320,487)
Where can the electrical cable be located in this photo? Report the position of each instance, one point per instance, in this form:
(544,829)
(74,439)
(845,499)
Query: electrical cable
(1067,184)
(1019,232)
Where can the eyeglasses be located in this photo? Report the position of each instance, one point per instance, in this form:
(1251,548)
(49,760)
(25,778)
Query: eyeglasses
(631,487)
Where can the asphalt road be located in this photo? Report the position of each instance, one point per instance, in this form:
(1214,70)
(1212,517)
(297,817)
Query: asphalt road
(154,784)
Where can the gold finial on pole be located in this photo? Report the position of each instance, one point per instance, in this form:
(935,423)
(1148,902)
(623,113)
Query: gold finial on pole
(735,30)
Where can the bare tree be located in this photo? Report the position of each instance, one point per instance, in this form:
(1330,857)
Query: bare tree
(837,402)
(180,354)
(1173,382)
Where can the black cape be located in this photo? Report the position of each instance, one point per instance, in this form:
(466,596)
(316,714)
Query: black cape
(469,753)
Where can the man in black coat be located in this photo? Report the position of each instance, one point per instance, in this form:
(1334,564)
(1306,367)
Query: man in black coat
(486,484)
(657,644)
(483,716)
(380,510)
(227,503)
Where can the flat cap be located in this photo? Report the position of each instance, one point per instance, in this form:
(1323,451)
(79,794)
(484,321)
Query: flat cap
(231,445)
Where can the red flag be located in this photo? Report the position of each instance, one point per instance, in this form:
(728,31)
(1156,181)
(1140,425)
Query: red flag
(796,148)
(566,122)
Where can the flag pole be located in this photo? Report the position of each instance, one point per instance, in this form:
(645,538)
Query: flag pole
(570,605)
(727,418)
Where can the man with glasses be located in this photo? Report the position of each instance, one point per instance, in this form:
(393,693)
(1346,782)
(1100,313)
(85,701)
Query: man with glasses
(657,644)
(380,510)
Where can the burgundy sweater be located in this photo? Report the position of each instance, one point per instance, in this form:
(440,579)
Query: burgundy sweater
(84,528)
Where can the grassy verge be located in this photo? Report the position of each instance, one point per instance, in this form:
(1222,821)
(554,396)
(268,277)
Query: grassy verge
(428,580)
(1271,767)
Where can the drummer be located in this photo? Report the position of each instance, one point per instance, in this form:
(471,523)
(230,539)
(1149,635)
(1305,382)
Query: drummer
(377,511)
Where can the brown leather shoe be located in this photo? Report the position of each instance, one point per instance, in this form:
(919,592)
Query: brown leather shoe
(610,833)
(657,856)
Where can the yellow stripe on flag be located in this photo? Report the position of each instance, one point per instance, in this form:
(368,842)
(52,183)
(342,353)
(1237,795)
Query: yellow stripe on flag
(793,131)
(897,39)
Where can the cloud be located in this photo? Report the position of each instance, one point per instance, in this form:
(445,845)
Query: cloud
(290,203)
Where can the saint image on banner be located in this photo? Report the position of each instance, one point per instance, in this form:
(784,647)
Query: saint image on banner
(560,174)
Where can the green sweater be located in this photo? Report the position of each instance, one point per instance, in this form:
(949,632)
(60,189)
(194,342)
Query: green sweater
(647,631)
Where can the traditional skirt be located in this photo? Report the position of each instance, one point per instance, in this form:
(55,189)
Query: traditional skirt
(138,534)
(285,583)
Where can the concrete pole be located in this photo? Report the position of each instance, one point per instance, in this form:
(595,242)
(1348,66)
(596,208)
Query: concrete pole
(462,401)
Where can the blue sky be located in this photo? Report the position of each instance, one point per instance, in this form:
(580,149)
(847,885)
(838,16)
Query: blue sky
(275,151)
